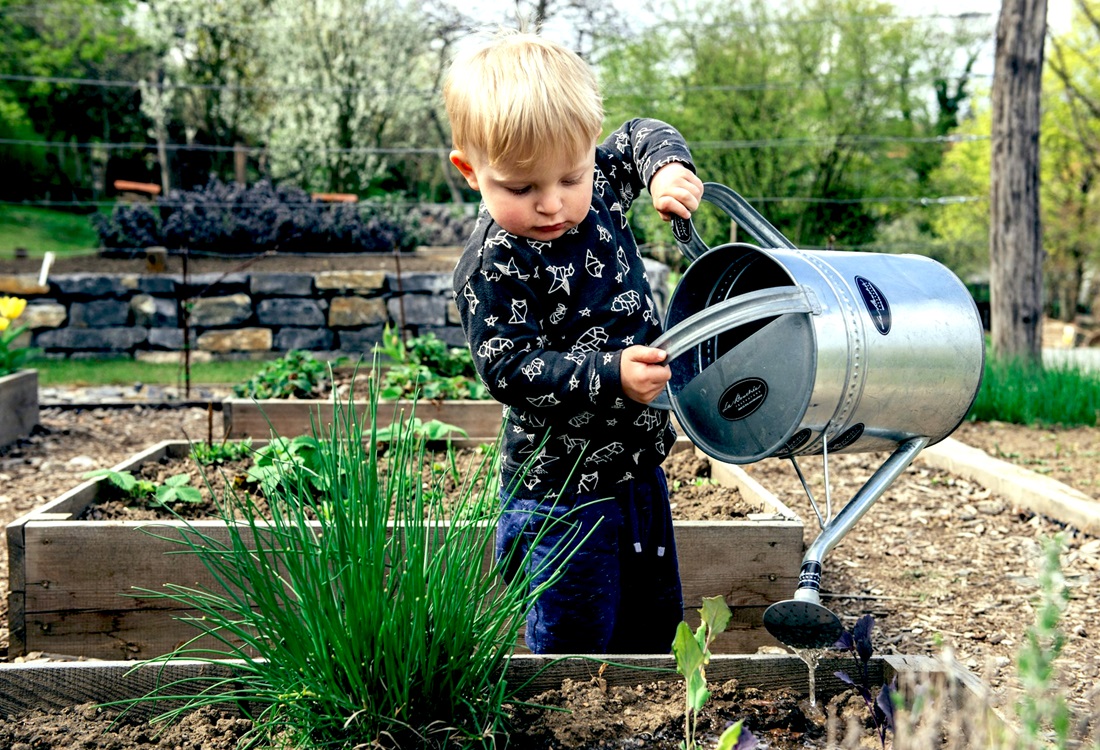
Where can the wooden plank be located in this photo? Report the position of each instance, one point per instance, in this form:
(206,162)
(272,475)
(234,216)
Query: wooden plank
(143,634)
(91,565)
(18,404)
(1040,493)
(45,686)
(123,634)
(257,419)
(57,685)
(17,578)
(747,562)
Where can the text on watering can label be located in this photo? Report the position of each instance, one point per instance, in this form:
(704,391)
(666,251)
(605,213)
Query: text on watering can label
(876,304)
(742,398)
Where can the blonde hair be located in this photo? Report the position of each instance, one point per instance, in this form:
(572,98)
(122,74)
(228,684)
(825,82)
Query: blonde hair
(520,98)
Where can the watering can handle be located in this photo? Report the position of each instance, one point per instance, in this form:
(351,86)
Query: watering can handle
(733,312)
(730,313)
(738,209)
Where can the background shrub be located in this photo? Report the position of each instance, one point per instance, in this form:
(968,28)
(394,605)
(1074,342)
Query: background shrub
(229,218)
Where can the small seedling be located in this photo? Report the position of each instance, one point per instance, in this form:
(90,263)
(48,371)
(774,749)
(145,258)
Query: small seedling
(128,485)
(858,643)
(284,460)
(206,454)
(426,368)
(175,488)
(692,652)
(431,430)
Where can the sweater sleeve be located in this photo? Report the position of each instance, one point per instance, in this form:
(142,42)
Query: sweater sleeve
(629,157)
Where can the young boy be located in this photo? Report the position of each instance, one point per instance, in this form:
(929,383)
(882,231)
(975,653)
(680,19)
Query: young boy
(557,310)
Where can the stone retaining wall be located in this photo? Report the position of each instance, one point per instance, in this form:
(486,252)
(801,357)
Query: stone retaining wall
(238,315)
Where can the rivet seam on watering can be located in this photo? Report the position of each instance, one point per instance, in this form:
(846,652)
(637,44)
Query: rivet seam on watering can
(742,398)
(877,305)
(851,316)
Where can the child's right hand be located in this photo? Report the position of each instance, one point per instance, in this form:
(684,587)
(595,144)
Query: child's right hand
(676,191)
(643,372)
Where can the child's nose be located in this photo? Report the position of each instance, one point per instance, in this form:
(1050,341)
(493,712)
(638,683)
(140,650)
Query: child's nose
(549,202)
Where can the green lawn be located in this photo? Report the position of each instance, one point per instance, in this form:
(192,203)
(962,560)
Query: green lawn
(40,230)
(119,371)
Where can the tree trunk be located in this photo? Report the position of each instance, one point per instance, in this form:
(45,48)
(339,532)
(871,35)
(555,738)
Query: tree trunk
(1015,238)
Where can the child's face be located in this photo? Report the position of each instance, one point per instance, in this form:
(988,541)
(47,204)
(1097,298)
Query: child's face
(541,202)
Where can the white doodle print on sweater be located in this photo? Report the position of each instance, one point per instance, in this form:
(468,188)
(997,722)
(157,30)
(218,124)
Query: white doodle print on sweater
(547,322)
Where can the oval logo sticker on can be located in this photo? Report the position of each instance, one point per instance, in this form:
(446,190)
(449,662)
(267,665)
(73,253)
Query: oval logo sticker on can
(797,440)
(681,230)
(877,306)
(742,398)
(852,434)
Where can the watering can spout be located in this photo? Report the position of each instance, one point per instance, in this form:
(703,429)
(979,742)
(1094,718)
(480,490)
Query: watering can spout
(802,622)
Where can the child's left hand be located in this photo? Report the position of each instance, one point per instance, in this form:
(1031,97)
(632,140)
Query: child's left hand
(676,191)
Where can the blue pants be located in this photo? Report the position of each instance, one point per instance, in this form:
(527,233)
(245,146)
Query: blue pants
(619,591)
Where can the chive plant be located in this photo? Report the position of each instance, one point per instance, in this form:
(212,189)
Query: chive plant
(352,629)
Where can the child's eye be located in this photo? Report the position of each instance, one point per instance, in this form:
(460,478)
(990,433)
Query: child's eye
(520,191)
(572,181)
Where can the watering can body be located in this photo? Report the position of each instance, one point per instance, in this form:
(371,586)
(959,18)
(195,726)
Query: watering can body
(874,350)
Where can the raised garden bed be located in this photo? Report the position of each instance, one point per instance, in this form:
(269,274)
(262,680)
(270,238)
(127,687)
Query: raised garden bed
(18,404)
(72,581)
(607,705)
(249,418)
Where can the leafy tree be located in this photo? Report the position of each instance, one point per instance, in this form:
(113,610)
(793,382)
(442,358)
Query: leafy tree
(1069,139)
(47,48)
(1071,149)
(831,103)
(354,79)
(961,229)
(206,88)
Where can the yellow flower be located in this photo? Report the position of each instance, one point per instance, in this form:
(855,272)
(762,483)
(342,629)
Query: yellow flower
(11,308)
(4,323)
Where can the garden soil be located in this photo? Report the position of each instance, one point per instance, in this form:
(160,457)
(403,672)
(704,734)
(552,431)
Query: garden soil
(943,565)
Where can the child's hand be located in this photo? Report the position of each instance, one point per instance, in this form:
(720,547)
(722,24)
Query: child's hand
(643,372)
(675,190)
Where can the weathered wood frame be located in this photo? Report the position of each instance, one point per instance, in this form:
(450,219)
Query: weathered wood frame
(72,583)
(57,685)
(18,404)
(249,418)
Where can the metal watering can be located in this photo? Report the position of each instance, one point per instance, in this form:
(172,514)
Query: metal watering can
(782,352)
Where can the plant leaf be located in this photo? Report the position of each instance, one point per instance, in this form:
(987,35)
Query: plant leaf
(861,635)
(689,656)
(716,613)
(736,737)
(697,692)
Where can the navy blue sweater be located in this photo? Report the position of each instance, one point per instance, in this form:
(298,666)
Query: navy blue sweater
(547,323)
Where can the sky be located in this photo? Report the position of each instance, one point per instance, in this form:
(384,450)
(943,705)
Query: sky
(1058,11)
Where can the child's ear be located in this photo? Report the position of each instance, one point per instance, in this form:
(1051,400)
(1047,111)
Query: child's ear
(463,165)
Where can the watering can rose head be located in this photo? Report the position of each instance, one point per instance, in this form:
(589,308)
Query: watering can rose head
(11,357)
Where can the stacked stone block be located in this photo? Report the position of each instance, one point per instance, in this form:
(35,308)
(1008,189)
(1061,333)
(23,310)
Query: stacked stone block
(237,315)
